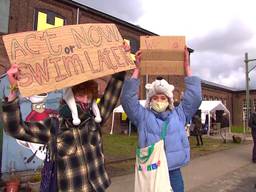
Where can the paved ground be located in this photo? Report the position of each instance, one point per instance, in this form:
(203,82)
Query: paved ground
(240,180)
(224,171)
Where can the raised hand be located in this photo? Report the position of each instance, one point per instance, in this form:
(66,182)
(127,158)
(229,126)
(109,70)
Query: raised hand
(187,68)
(127,47)
(136,71)
(138,58)
(13,74)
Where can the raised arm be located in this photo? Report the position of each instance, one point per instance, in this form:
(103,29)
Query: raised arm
(37,132)
(129,97)
(193,92)
(112,92)
(111,95)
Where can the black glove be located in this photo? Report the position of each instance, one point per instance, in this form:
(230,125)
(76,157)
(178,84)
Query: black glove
(119,76)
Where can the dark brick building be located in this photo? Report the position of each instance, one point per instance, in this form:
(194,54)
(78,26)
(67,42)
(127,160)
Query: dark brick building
(26,15)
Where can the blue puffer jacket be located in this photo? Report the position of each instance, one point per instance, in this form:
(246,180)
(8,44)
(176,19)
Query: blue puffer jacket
(149,124)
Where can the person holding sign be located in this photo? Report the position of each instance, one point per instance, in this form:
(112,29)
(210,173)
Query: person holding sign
(160,120)
(78,148)
(252,125)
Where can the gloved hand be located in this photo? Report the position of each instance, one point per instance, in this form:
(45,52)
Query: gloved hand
(120,76)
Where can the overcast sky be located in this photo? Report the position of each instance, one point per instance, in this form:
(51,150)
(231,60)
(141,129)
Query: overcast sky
(220,31)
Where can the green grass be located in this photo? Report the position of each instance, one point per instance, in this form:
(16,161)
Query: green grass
(210,146)
(240,129)
(119,147)
(237,129)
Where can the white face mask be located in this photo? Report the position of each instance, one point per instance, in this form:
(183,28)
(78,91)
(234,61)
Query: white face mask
(159,106)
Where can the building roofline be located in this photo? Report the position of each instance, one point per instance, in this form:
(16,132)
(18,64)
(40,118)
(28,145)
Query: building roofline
(225,88)
(243,90)
(107,16)
(222,87)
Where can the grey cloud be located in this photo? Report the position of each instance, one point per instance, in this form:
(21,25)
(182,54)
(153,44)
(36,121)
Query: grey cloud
(252,82)
(219,68)
(126,10)
(217,63)
(230,40)
(219,56)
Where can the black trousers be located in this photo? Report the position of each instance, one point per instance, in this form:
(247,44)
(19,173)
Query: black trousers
(254,145)
(199,140)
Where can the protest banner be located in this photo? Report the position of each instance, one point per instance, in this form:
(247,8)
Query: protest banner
(4,61)
(162,55)
(61,57)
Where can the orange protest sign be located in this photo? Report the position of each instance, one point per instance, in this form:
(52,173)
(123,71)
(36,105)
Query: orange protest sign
(65,56)
(162,55)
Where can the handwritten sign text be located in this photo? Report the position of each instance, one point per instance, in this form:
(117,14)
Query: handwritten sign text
(61,57)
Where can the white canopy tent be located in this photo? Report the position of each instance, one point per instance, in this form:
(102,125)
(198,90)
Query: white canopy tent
(119,109)
(208,107)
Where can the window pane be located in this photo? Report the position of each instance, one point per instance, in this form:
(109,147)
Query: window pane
(45,19)
(4,15)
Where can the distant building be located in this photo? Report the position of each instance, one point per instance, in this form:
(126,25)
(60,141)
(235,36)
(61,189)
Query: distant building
(233,99)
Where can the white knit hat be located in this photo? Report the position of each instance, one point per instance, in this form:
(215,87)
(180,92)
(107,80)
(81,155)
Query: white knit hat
(68,96)
(159,86)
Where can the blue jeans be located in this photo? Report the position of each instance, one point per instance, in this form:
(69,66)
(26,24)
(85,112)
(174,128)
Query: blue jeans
(176,180)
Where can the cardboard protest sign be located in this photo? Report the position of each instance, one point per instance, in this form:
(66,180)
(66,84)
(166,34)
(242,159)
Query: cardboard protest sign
(65,56)
(4,62)
(162,55)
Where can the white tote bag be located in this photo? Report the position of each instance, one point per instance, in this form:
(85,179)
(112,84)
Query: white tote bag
(151,169)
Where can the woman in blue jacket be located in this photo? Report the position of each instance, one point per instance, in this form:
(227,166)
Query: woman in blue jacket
(159,108)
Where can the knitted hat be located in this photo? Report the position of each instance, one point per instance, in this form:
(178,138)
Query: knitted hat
(159,86)
(68,96)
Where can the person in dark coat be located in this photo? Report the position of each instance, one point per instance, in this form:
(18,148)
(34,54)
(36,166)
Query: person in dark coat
(224,127)
(198,130)
(206,125)
(252,125)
